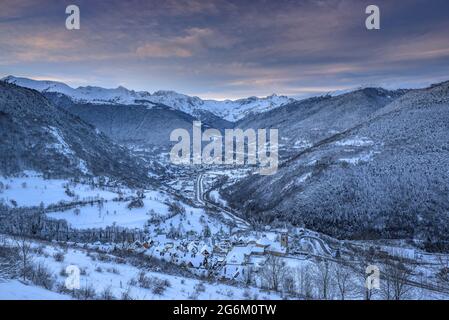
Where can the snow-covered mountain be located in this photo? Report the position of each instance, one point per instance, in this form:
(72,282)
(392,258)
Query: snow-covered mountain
(228,109)
(370,162)
(40,137)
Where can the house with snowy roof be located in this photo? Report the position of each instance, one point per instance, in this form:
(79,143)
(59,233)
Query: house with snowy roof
(206,250)
(263,242)
(196,261)
(238,263)
(192,247)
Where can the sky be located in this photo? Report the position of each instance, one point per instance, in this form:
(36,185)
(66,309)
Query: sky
(227,49)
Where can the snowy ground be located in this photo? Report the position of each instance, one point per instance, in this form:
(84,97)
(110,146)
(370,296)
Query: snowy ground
(33,190)
(16,290)
(108,273)
(115,213)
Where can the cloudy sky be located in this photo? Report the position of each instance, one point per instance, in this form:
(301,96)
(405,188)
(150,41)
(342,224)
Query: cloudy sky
(227,48)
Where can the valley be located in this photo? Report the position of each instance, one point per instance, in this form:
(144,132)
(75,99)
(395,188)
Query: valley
(89,179)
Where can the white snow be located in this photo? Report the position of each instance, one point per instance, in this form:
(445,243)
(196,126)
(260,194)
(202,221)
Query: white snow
(60,145)
(16,290)
(32,190)
(364,157)
(216,197)
(304,177)
(228,109)
(113,213)
(120,278)
(302,144)
(356,142)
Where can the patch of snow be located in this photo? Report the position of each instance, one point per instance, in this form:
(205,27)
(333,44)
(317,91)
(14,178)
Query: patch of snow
(61,146)
(356,142)
(16,290)
(364,157)
(216,197)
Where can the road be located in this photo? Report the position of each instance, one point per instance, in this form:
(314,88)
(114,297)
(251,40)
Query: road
(315,240)
(326,251)
(199,194)
(229,215)
(226,212)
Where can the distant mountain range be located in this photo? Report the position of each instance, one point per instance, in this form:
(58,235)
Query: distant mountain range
(227,110)
(37,136)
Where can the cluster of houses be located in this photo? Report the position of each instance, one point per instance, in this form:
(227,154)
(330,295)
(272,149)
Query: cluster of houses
(237,257)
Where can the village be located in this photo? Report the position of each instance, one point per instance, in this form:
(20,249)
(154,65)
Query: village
(239,257)
(234,258)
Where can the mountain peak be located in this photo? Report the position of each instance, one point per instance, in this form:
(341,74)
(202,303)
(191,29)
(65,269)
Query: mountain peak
(228,109)
(8,78)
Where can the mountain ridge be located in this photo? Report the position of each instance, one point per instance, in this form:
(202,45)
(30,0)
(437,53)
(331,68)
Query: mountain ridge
(230,110)
(384,177)
(38,136)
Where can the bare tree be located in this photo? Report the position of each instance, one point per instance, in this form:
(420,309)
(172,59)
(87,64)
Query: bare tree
(344,281)
(361,286)
(248,276)
(288,284)
(9,260)
(24,247)
(395,284)
(367,258)
(304,281)
(273,272)
(443,272)
(323,279)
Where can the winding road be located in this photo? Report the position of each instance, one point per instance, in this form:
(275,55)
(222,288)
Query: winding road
(226,212)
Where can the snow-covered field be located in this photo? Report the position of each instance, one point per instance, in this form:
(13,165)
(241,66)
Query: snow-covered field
(115,277)
(170,227)
(16,290)
(116,213)
(33,189)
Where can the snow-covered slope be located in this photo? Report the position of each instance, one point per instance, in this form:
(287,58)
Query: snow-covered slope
(16,290)
(228,109)
(40,137)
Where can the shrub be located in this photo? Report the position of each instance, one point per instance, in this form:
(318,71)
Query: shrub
(107,294)
(200,287)
(126,295)
(61,288)
(156,285)
(39,250)
(193,296)
(132,282)
(247,295)
(137,203)
(176,208)
(42,276)
(104,257)
(59,257)
(158,288)
(85,293)
(144,281)
(113,270)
